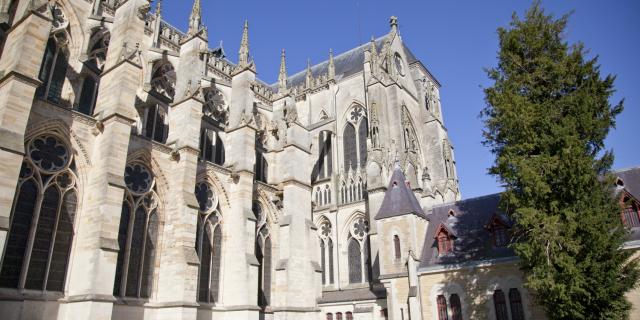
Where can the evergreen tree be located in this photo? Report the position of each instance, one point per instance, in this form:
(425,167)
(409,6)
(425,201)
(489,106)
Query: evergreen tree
(546,116)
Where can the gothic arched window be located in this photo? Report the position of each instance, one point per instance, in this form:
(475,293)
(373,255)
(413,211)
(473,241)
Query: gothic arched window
(263,251)
(515,302)
(456,307)
(442,308)
(500,305)
(138,233)
(208,243)
(350,147)
(53,71)
(326,252)
(358,252)
(355,143)
(42,218)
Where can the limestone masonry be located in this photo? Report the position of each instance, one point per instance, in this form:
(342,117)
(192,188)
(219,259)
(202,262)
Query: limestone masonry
(146,175)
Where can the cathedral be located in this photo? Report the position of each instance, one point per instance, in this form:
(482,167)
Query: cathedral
(145,174)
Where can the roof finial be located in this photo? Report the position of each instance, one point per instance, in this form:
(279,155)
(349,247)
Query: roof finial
(158,8)
(309,76)
(243,59)
(332,67)
(195,20)
(282,77)
(393,23)
(373,53)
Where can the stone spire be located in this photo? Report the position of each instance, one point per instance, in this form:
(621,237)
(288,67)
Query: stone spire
(243,59)
(282,76)
(332,66)
(195,20)
(158,8)
(309,76)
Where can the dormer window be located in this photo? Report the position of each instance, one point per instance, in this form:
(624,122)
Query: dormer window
(445,240)
(499,231)
(630,213)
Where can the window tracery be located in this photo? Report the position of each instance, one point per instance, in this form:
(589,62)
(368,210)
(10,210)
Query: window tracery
(358,251)
(138,233)
(41,231)
(208,243)
(163,79)
(326,251)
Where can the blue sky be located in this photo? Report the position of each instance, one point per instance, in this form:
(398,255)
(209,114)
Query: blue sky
(454,39)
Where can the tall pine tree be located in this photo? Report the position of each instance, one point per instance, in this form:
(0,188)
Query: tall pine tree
(546,116)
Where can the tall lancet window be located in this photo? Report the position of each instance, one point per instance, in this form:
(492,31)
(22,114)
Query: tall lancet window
(138,233)
(359,261)
(326,251)
(208,243)
(53,70)
(42,218)
(263,250)
(354,139)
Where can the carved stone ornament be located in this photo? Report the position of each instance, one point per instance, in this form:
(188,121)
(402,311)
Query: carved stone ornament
(143,10)
(290,114)
(215,106)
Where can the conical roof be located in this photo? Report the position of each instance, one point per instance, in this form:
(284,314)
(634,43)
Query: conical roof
(399,199)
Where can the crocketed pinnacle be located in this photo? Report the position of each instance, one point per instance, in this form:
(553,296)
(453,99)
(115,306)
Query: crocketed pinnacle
(243,59)
(282,76)
(195,20)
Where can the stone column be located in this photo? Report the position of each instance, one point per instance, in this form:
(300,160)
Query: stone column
(415,307)
(92,273)
(239,277)
(298,243)
(177,281)
(19,68)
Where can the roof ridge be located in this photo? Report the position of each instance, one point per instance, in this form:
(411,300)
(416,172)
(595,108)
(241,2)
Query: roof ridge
(466,200)
(637,167)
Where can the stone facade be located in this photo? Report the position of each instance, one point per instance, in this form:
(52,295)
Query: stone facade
(143,175)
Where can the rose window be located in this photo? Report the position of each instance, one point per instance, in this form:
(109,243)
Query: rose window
(48,153)
(138,178)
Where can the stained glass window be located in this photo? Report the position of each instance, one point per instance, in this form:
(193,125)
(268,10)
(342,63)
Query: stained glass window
(350,147)
(139,223)
(43,213)
(53,72)
(208,243)
(355,262)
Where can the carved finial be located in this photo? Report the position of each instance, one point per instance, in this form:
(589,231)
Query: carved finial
(332,66)
(373,53)
(282,76)
(195,20)
(393,23)
(159,8)
(309,76)
(243,53)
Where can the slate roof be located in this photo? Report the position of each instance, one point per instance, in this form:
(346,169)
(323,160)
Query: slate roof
(359,294)
(631,180)
(346,64)
(473,241)
(399,199)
